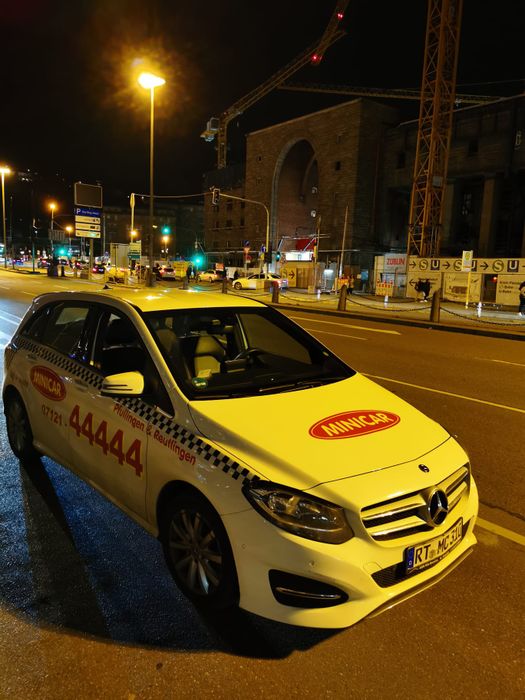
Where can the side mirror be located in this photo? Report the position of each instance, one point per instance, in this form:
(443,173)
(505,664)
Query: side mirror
(123,384)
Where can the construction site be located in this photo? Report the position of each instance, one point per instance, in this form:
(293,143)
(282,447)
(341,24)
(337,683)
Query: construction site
(335,192)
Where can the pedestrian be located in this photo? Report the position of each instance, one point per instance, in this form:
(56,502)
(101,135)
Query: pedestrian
(419,289)
(189,272)
(521,310)
(236,275)
(350,287)
(425,288)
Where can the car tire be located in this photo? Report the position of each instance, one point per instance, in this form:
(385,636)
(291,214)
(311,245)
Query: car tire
(19,431)
(237,285)
(198,552)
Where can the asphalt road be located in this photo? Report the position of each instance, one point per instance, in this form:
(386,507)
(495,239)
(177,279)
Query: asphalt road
(87,607)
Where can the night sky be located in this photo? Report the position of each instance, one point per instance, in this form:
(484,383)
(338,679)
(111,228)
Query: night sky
(70,106)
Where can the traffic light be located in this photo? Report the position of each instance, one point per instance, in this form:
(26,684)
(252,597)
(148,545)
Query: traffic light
(277,256)
(166,230)
(215,196)
(197,260)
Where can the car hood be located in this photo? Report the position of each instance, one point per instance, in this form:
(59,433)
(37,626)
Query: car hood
(312,436)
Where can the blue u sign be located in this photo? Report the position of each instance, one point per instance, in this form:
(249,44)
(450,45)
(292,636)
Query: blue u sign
(513,265)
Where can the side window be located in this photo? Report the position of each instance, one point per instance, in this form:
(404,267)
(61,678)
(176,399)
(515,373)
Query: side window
(64,327)
(119,348)
(35,326)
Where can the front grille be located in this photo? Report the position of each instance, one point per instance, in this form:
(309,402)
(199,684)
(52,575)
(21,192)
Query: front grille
(405,515)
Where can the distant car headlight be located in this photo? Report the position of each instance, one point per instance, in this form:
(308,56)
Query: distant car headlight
(298,513)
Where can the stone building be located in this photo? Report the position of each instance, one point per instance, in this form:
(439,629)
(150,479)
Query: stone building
(354,163)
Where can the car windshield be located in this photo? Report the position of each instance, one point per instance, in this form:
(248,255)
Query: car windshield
(225,353)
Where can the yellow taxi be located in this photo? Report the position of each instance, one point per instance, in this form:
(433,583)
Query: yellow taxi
(276,477)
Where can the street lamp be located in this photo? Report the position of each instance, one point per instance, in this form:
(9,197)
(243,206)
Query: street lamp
(149,81)
(4,170)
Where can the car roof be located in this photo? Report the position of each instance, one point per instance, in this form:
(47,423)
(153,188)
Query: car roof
(156,298)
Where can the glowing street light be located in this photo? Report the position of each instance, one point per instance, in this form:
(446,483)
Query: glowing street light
(4,170)
(165,240)
(149,81)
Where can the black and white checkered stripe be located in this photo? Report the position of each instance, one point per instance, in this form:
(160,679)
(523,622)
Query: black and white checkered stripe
(188,440)
(145,412)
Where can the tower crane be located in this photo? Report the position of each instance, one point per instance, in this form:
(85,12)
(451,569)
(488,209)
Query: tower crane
(391,93)
(436,105)
(217,126)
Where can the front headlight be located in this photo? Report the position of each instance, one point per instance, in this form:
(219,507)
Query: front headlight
(296,512)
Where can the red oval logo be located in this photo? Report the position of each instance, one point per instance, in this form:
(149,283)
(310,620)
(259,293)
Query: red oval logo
(352,424)
(48,383)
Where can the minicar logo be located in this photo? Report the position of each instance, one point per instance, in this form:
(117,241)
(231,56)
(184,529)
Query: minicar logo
(352,424)
(48,383)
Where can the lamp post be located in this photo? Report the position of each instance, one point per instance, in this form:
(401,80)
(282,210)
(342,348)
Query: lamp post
(149,81)
(4,170)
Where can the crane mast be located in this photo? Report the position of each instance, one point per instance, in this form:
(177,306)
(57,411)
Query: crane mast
(438,88)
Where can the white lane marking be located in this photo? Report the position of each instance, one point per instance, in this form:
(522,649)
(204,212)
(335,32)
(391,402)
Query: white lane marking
(347,325)
(5,338)
(447,393)
(502,531)
(9,320)
(341,335)
(505,362)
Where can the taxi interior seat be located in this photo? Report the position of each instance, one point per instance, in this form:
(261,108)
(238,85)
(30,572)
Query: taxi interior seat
(121,350)
(208,356)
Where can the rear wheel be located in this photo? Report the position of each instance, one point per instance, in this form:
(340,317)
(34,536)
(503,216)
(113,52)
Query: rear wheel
(19,431)
(198,552)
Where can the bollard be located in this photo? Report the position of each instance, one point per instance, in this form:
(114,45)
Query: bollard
(341,305)
(275,292)
(185,283)
(62,271)
(225,285)
(436,306)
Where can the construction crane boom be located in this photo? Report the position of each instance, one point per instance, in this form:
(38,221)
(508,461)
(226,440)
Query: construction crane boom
(217,127)
(394,93)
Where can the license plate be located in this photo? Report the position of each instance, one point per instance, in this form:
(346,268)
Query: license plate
(425,555)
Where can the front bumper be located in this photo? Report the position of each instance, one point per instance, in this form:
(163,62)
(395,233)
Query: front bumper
(353,567)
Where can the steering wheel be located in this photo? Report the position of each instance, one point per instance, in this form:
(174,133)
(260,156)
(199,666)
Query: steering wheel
(250,354)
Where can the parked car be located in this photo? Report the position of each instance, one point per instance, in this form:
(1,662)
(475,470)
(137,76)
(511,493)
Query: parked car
(43,262)
(251,282)
(98,268)
(276,477)
(166,272)
(210,276)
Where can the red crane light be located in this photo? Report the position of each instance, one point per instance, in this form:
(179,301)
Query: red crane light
(316,58)
(340,15)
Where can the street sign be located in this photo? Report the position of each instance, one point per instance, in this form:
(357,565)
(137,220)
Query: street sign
(487,266)
(87,227)
(87,219)
(466,260)
(135,250)
(88,211)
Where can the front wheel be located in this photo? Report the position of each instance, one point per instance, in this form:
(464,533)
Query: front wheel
(198,553)
(19,431)
(237,285)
